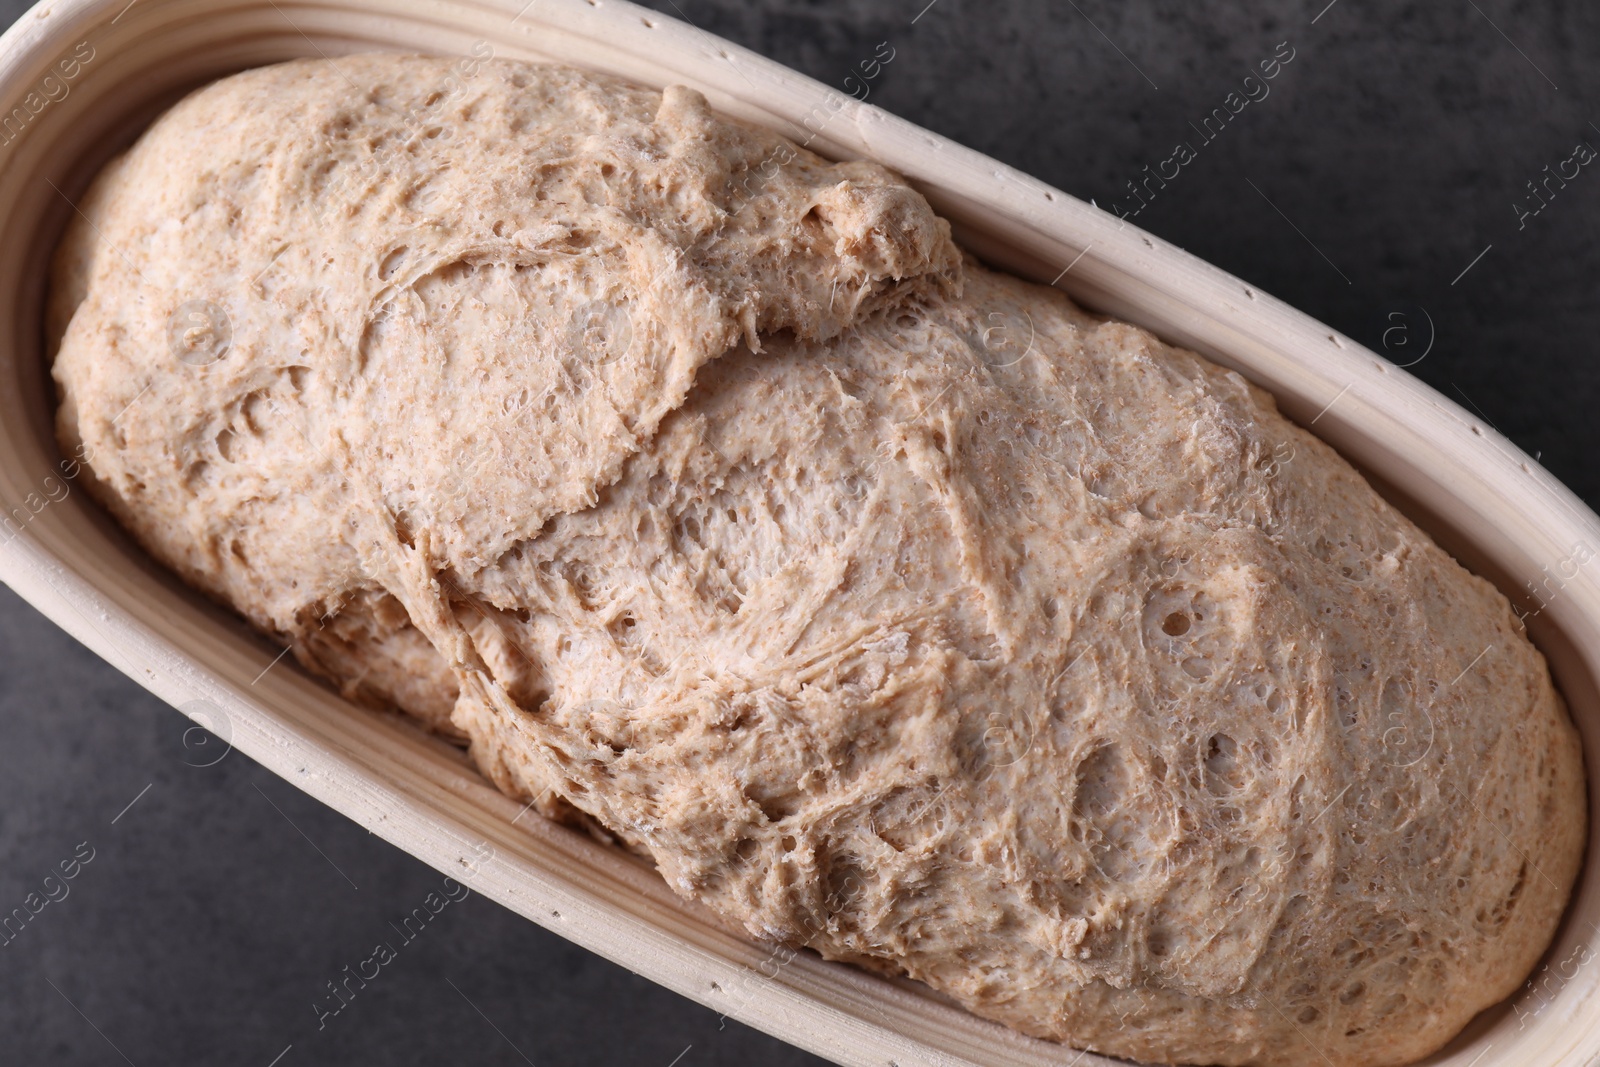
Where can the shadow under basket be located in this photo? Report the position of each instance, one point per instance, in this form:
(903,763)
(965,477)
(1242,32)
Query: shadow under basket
(1481,497)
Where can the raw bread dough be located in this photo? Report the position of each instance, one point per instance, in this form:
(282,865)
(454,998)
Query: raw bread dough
(896,607)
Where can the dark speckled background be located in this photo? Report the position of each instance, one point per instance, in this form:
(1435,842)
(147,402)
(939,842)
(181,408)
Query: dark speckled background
(1393,147)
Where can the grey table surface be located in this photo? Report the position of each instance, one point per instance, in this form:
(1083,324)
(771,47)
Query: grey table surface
(1380,186)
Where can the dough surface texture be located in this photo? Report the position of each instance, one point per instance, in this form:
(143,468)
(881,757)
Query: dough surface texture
(893,606)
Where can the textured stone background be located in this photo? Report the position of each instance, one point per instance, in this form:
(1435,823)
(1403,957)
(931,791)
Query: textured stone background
(1396,141)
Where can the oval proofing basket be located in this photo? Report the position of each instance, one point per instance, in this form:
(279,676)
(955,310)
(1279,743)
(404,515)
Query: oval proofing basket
(79,79)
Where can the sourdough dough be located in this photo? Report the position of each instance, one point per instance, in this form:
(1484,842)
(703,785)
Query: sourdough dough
(895,607)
